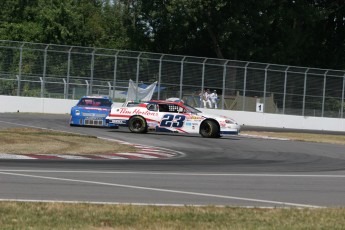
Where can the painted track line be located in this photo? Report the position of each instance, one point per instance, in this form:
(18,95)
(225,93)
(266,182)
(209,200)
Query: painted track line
(167,190)
(177,173)
(263,137)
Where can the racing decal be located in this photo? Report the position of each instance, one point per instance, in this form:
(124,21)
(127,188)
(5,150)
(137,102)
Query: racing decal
(118,121)
(222,123)
(171,120)
(121,116)
(86,114)
(194,118)
(151,124)
(137,111)
(93,108)
(181,131)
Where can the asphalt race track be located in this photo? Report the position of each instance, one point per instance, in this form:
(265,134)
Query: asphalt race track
(234,171)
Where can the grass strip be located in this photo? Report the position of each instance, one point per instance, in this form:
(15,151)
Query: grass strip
(309,137)
(42,141)
(26,215)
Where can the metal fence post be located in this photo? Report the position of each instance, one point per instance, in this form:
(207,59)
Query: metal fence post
(18,80)
(44,70)
(181,77)
(203,78)
(137,76)
(115,74)
(19,76)
(92,69)
(342,98)
(68,72)
(324,93)
(64,86)
(224,79)
(87,88)
(244,86)
(304,90)
(265,88)
(160,76)
(109,89)
(285,85)
(42,85)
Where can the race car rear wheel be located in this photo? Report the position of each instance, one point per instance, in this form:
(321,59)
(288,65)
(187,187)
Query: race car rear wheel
(209,129)
(137,124)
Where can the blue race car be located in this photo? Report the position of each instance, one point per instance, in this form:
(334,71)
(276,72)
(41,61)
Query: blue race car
(91,111)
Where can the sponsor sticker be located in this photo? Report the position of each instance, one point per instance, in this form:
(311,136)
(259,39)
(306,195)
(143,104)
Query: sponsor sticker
(137,111)
(119,121)
(196,118)
(222,123)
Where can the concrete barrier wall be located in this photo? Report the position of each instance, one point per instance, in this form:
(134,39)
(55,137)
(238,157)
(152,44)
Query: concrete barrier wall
(35,105)
(282,121)
(61,106)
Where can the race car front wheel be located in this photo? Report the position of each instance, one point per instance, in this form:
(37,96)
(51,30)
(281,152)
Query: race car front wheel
(209,129)
(137,124)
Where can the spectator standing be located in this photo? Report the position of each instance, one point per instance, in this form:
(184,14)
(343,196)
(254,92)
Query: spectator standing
(206,99)
(214,99)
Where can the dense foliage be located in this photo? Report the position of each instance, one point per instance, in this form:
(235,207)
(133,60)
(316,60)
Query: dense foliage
(292,32)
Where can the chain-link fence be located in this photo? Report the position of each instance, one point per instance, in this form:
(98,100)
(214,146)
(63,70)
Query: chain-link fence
(55,71)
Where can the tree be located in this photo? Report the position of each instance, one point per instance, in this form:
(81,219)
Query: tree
(291,32)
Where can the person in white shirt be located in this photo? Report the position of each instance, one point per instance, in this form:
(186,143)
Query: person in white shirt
(214,99)
(206,99)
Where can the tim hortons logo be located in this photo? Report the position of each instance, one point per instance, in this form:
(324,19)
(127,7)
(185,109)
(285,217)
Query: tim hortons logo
(137,111)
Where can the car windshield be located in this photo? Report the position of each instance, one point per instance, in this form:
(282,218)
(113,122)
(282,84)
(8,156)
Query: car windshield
(130,104)
(191,109)
(94,102)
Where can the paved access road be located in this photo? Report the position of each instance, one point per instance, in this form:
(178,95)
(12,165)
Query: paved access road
(235,171)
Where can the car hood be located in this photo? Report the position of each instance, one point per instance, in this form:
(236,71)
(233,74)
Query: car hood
(217,117)
(99,109)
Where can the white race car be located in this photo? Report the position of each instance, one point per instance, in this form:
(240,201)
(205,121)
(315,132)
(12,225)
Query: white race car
(175,117)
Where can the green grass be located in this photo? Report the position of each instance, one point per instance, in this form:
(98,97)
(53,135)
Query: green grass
(24,215)
(42,141)
(309,137)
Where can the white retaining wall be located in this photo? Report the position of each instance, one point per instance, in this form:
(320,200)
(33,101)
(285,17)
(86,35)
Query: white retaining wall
(35,105)
(61,106)
(282,121)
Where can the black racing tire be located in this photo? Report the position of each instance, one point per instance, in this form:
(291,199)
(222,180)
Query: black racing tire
(209,129)
(137,124)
